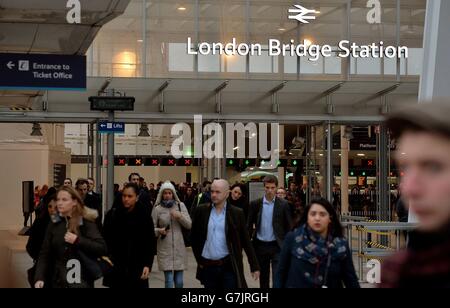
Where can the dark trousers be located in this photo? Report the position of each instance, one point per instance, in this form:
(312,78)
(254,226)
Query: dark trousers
(267,253)
(219,277)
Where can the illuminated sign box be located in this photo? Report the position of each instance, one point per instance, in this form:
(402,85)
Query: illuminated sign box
(112,103)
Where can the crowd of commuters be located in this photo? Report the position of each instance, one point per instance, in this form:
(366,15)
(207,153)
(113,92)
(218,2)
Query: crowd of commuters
(144,222)
(288,241)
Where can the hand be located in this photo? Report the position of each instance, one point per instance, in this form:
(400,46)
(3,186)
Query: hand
(162,231)
(175,214)
(145,273)
(39,284)
(255,275)
(70,237)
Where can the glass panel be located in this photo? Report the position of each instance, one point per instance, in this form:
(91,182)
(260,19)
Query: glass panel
(415,61)
(169,24)
(118,46)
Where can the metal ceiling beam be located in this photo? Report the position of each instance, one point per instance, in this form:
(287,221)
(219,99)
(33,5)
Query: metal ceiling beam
(325,93)
(218,94)
(377,95)
(89,117)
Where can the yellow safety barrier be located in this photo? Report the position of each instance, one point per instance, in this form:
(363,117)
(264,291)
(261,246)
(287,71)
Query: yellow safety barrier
(378,245)
(20,109)
(369,257)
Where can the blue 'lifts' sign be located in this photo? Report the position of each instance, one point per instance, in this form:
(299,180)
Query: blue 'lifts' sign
(111,127)
(42,72)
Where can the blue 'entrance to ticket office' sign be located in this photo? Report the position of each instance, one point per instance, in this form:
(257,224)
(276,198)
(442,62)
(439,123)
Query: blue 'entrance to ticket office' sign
(42,72)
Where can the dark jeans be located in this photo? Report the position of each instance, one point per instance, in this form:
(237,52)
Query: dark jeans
(219,277)
(267,253)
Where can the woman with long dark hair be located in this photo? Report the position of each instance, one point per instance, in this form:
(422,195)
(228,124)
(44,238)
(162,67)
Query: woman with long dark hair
(315,254)
(129,234)
(238,199)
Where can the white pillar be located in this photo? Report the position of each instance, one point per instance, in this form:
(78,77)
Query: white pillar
(436,42)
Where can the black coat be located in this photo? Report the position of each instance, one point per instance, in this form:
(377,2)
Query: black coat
(131,244)
(37,236)
(240,203)
(281,222)
(55,253)
(94,202)
(292,270)
(236,236)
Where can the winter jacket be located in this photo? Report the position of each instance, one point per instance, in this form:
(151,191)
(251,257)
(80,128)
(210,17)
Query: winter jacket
(296,272)
(56,253)
(171,248)
(131,244)
(425,264)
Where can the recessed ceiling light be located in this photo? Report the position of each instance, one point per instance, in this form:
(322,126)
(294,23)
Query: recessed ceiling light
(181,8)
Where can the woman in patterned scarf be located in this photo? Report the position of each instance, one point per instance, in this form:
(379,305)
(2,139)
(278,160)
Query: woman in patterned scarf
(315,254)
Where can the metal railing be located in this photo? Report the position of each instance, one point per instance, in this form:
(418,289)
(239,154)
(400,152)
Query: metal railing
(376,239)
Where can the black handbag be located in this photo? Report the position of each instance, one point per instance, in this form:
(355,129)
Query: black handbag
(186,233)
(95,268)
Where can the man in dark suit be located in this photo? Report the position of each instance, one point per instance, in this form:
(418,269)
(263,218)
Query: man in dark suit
(269,220)
(218,235)
(89,200)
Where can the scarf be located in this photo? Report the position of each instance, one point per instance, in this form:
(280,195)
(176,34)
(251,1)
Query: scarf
(167,203)
(311,247)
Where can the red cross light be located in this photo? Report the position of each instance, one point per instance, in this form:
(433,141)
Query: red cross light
(122,161)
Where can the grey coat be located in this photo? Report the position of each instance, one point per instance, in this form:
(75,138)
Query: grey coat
(171,249)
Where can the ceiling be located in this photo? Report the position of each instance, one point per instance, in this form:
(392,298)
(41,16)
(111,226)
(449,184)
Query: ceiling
(41,27)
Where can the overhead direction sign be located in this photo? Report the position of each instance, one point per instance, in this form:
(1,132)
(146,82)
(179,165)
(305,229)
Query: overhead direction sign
(42,71)
(111,127)
(112,103)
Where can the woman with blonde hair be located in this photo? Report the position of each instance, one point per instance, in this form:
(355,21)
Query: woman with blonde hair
(169,217)
(73,232)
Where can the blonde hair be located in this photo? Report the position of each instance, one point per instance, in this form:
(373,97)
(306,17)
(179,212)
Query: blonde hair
(77,211)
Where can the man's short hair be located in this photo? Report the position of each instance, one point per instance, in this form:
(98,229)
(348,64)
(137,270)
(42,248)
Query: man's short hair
(270,179)
(133,174)
(80,182)
(422,117)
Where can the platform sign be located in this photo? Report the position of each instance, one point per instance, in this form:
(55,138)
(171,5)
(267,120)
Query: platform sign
(42,72)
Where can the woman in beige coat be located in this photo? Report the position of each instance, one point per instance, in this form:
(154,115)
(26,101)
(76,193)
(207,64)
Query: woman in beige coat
(169,216)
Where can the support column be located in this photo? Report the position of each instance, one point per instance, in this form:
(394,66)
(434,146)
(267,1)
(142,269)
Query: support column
(90,151)
(281,179)
(344,172)
(110,167)
(436,67)
(382,178)
(329,180)
(98,159)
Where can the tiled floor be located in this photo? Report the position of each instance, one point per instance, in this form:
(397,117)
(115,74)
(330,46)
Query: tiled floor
(20,262)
